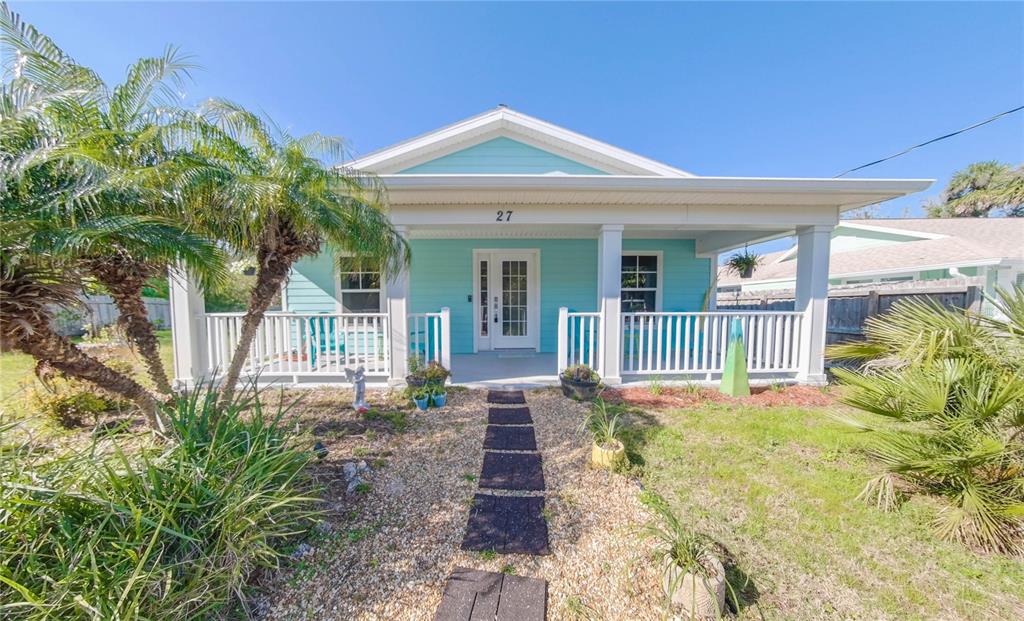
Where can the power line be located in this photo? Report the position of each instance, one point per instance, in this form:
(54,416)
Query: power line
(918,146)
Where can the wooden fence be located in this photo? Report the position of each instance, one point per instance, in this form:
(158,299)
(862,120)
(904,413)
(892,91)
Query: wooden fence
(100,312)
(848,309)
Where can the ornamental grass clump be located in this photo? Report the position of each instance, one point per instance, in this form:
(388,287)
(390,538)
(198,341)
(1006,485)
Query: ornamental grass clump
(951,386)
(171,530)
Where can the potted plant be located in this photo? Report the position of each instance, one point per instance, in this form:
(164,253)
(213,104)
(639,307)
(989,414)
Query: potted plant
(417,377)
(744,263)
(692,576)
(421,396)
(435,374)
(580,382)
(607,451)
(438,395)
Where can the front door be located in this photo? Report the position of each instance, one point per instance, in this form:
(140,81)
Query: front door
(507,310)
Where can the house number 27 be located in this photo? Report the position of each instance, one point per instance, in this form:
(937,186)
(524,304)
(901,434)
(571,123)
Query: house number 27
(504,216)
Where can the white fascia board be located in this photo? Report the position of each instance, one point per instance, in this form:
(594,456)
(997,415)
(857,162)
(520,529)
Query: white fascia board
(893,231)
(513,119)
(844,193)
(503,121)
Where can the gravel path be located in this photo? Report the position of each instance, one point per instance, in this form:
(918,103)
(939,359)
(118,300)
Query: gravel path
(393,547)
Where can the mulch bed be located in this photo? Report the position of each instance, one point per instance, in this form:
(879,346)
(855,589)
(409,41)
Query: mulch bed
(671,397)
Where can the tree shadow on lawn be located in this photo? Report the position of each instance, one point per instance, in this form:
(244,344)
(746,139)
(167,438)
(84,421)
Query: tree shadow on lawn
(638,430)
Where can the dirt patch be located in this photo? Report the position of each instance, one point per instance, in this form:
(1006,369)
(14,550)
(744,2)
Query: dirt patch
(672,397)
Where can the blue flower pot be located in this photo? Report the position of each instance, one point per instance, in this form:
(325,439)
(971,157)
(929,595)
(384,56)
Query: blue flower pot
(422,404)
(439,400)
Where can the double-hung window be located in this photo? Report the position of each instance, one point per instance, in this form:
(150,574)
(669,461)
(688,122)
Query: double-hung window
(640,282)
(358,286)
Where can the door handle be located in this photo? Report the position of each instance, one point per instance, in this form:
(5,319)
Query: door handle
(495,313)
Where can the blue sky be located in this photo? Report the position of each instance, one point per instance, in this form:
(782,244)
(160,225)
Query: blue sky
(762,89)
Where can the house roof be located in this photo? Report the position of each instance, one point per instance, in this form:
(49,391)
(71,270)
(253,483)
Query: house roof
(625,178)
(504,122)
(943,242)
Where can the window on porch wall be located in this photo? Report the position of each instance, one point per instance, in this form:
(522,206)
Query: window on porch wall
(640,283)
(359,286)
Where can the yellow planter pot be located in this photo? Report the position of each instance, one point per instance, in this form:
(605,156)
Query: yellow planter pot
(608,458)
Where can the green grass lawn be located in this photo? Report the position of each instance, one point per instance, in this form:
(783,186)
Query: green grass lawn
(777,488)
(17,377)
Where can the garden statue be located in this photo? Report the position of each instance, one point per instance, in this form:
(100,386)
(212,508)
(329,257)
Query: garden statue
(358,380)
(734,371)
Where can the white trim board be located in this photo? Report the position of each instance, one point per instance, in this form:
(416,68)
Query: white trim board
(503,121)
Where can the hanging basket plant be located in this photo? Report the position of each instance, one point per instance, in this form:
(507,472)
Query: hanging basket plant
(744,263)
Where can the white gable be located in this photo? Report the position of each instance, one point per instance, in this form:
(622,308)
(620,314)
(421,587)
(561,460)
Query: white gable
(521,136)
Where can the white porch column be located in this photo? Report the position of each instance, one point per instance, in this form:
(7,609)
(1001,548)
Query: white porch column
(188,330)
(398,309)
(609,291)
(812,257)
(712,301)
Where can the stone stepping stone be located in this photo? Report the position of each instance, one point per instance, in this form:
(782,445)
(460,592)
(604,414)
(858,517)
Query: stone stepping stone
(501,438)
(507,525)
(471,594)
(509,416)
(505,397)
(516,471)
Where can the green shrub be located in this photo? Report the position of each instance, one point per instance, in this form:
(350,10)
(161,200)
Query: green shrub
(167,531)
(70,409)
(72,403)
(603,424)
(581,373)
(952,386)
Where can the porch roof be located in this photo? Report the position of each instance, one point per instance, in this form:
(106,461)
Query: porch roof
(760,192)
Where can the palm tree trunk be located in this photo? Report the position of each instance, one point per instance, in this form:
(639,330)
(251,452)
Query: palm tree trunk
(125,279)
(60,353)
(275,261)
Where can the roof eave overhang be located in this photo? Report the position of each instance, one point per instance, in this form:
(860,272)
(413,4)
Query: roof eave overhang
(646,190)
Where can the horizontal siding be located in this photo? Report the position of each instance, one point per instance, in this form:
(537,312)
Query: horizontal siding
(686,277)
(310,286)
(502,156)
(442,275)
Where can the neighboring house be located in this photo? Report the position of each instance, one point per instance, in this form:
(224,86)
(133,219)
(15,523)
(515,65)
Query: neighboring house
(988,250)
(534,247)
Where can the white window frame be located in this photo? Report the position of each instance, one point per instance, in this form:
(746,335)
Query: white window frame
(660,255)
(339,291)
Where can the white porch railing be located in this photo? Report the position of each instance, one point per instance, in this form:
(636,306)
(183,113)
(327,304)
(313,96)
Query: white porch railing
(579,339)
(430,337)
(682,343)
(303,344)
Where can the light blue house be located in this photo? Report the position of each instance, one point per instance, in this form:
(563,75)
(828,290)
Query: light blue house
(533,248)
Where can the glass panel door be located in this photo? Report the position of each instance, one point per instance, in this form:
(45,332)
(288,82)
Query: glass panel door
(513,298)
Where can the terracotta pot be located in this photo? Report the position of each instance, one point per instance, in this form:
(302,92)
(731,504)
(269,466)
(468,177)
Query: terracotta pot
(697,596)
(584,391)
(607,458)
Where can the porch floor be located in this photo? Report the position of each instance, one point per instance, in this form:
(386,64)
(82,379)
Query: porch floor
(508,369)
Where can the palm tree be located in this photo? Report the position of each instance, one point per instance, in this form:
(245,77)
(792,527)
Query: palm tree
(121,136)
(980,190)
(38,271)
(286,200)
(952,386)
